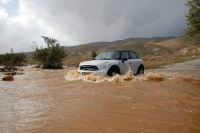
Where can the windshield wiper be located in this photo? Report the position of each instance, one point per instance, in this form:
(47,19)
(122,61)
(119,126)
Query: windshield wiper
(105,59)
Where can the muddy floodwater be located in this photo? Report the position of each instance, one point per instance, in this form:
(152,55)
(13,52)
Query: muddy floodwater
(63,101)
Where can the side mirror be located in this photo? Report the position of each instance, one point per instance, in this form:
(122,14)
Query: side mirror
(125,59)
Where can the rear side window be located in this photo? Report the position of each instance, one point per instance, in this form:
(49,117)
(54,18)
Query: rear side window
(133,55)
(137,56)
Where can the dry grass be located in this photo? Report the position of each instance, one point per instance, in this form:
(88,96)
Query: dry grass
(74,61)
(155,61)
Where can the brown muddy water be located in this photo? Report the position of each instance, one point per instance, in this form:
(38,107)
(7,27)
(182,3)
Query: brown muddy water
(62,101)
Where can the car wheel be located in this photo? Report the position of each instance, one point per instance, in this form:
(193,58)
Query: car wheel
(113,71)
(140,70)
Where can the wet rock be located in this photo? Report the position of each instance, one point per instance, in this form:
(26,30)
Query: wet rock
(20,69)
(11,70)
(10,73)
(8,78)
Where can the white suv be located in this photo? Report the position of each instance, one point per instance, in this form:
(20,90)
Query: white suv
(113,62)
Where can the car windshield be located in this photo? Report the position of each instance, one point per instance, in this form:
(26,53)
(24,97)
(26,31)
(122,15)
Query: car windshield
(108,55)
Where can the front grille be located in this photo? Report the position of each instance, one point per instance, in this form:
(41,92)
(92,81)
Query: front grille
(88,68)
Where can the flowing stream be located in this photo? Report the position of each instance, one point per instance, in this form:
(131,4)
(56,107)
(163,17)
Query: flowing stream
(63,101)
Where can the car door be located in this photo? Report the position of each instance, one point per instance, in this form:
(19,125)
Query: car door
(134,62)
(124,67)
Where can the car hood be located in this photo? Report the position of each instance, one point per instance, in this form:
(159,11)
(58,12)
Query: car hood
(94,62)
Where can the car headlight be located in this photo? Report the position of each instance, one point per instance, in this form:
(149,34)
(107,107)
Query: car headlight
(104,64)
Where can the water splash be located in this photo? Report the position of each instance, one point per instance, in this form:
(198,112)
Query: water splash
(74,75)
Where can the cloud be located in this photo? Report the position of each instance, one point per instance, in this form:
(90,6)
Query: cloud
(75,22)
(17,32)
(6,1)
(90,20)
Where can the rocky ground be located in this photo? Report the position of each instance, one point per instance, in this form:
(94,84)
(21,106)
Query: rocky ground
(9,71)
(188,65)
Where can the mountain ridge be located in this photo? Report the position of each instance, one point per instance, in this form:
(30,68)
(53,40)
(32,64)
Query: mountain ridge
(141,45)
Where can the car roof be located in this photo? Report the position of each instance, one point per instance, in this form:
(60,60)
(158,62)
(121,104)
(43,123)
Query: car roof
(122,50)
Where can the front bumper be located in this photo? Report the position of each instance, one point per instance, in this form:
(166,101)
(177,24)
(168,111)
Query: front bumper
(102,71)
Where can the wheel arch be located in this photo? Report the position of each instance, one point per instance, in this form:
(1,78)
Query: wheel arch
(114,67)
(140,66)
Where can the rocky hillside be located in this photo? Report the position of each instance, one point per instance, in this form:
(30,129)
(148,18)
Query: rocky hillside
(178,45)
(140,45)
(143,46)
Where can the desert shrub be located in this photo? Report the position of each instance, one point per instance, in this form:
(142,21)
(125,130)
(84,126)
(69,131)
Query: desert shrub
(52,56)
(193,20)
(1,59)
(13,59)
(94,54)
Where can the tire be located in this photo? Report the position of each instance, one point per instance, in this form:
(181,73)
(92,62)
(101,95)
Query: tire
(113,71)
(140,70)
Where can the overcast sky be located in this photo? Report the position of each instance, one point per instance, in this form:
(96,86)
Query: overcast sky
(75,22)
